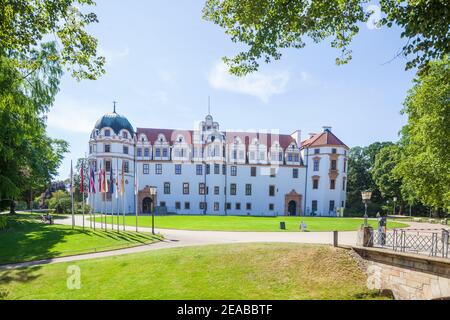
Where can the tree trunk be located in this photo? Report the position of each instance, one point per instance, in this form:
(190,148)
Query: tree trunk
(12,207)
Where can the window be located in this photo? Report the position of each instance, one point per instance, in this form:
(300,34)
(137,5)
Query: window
(316,184)
(216,206)
(295,173)
(139,152)
(248,189)
(185,188)
(228,205)
(146,169)
(178,205)
(344,180)
(107,148)
(166,187)
(248,206)
(157,153)
(126,166)
(208,169)
(332,184)
(90,149)
(216,190)
(316,151)
(187,205)
(271,191)
(238,206)
(314,205)
(165,153)
(252,155)
(178,169)
(162,204)
(290,157)
(233,171)
(216,168)
(224,169)
(158,168)
(202,205)
(125,135)
(253,171)
(125,149)
(199,169)
(273,172)
(234,155)
(345,165)
(333,151)
(108,166)
(296,158)
(201,188)
(233,189)
(331,207)
(107,133)
(333,164)
(146,152)
(271,206)
(316,164)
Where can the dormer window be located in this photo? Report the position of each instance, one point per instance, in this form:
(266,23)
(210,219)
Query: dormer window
(334,151)
(125,135)
(107,133)
(316,151)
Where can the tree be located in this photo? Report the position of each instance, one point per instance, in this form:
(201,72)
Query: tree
(28,157)
(267,26)
(25,23)
(383,175)
(425,163)
(360,163)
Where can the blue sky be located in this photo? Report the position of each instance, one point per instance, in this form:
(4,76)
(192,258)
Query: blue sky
(164,61)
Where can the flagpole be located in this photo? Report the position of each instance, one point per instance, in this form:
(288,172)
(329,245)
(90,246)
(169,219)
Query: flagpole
(117,195)
(82,183)
(135,186)
(71,193)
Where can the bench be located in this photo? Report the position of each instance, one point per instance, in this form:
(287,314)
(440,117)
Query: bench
(47,219)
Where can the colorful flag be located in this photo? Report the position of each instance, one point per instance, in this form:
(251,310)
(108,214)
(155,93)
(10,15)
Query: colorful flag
(111,180)
(135,183)
(117,180)
(105,182)
(82,177)
(122,182)
(92,180)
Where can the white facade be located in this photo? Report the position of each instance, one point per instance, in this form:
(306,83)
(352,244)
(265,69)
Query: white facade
(207,171)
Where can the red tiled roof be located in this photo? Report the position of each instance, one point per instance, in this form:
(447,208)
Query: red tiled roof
(170,134)
(323,139)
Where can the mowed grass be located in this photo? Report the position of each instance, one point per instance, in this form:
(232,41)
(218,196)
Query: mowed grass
(28,239)
(245,223)
(223,272)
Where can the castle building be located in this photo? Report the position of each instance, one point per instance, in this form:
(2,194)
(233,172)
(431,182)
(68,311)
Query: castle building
(214,172)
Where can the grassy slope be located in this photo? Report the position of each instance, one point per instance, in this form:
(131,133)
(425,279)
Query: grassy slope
(244,271)
(234,223)
(28,239)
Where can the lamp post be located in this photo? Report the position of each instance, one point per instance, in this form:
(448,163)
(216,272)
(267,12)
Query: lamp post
(153,194)
(366,195)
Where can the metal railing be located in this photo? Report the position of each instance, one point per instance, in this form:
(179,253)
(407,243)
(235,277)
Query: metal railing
(433,242)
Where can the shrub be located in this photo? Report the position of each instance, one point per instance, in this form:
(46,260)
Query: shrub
(3,222)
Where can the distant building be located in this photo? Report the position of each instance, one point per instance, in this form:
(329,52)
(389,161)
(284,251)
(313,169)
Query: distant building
(209,171)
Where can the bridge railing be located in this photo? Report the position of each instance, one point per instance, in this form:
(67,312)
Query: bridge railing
(433,242)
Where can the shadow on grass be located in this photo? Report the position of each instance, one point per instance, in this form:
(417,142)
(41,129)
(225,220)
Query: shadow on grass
(22,275)
(27,239)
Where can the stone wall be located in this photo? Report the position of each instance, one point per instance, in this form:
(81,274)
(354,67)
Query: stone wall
(408,276)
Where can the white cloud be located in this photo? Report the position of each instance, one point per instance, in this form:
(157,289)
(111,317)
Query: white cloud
(73,116)
(113,55)
(259,85)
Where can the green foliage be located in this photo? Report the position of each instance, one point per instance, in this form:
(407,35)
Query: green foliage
(3,222)
(361,160)
(28,157)
(268,26)
(383,173)
(425,163)
(25,23)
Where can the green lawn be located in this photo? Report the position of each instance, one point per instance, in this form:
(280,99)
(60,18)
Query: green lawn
(28,239)
(235,223)
(223,272)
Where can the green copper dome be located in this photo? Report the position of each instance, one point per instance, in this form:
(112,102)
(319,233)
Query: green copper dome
(115,122)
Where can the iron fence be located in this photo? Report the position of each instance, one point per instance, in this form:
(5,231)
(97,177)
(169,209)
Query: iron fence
(433,242)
